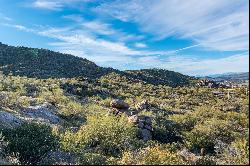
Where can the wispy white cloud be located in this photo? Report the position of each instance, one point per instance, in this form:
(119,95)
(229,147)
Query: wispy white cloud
(118,55)
(84,43)
(4,17)
(19,27)
(98,27)
(220,25)
(140,45)
(47,4)
(54,4)
(95,26)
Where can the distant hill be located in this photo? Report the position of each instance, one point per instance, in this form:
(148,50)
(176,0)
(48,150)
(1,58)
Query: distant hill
(43,63)
(160,76)
(231,76)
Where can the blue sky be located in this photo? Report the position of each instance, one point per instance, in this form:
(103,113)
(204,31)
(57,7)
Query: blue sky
(193,37)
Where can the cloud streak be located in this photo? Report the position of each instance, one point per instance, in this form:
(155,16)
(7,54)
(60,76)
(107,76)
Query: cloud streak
(4,17)
(219,25)
(204,24)
(119,56)
(55,5)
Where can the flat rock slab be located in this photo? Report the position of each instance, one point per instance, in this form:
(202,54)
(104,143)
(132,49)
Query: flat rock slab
(44,113)
(8,120)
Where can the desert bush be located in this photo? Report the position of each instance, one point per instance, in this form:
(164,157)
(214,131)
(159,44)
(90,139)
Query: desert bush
(204,135)
(107,135)
(30,142)
(154,155)
(165,130)
(237,153)
(93,159)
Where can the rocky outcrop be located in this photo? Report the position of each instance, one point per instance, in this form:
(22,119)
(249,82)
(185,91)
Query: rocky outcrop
(208,83)
(118,107)
(144,123)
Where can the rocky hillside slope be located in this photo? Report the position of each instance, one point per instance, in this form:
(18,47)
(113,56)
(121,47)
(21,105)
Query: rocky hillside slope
(43,63)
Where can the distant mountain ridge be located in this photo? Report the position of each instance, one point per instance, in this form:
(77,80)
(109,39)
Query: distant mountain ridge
(228,74)
(239,76)
(43,63)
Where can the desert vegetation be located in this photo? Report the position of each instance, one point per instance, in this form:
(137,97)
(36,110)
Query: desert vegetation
(116,117)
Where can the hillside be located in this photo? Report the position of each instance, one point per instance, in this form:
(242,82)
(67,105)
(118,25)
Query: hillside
(135,117)
(42,63)
(161,77)
(119,120)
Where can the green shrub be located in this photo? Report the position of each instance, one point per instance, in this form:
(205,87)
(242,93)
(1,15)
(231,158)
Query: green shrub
(156,155)
(235,154)
(30,142)
(107,135)
(204,135)
(93,159)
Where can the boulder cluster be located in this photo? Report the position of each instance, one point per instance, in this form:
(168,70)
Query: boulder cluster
(144,123)
(208,83)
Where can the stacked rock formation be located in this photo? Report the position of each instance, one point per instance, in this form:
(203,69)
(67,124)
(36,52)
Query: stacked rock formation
(144,123)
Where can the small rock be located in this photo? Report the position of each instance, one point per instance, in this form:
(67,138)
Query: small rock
(74,129)
(133,119)
(142,105)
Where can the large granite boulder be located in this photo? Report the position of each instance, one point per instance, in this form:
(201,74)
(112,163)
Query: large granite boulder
(119,104)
